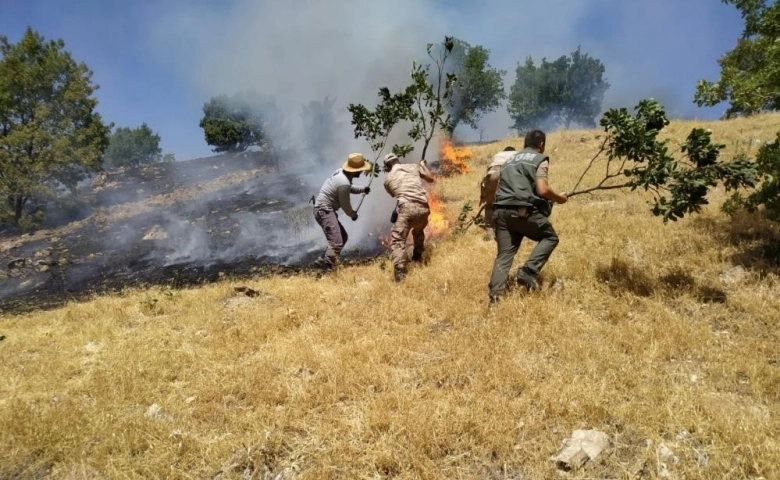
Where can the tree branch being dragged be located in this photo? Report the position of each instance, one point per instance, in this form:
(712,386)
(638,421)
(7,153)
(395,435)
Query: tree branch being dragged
(679,185)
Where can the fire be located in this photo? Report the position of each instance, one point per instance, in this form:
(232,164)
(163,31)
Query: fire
(453,159)
(437,222)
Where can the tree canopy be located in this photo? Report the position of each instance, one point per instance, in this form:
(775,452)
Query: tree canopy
(235,123)
(565,91)
(479,88)
(750,72)
(50,135)
(133,147)
(750,83)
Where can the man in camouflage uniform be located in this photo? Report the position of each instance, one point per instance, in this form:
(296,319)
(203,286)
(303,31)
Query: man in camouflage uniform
(334,195)
(411,212)
(488,186)
(523,204)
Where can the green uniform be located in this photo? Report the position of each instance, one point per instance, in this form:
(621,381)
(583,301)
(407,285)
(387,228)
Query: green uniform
(517,189)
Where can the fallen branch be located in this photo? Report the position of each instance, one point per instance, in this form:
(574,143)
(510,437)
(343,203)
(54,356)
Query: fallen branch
(473,219)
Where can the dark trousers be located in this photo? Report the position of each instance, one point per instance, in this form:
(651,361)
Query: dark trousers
(510,230)
(334,233)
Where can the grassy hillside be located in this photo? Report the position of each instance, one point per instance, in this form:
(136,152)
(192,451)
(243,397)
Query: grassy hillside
(654,334)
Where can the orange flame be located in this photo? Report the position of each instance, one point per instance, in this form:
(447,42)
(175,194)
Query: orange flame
(437,222)
(453,159)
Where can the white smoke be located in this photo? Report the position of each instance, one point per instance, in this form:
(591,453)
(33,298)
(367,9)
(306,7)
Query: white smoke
(307,50)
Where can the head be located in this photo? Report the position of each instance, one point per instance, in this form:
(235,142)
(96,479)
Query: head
(390,160)
(536,140)
(509,148)
(355,165)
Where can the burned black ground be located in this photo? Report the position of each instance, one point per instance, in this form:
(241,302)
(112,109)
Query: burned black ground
(169,224)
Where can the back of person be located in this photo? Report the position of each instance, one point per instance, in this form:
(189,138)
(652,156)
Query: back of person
(405,184)
(328,194)
(490,180)
(517,182)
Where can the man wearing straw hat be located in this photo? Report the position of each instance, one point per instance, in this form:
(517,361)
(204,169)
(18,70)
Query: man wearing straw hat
(411,213)
(334,195)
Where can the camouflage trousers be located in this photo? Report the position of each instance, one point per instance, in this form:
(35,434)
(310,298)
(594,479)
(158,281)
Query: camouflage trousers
(334,231)
(412,217)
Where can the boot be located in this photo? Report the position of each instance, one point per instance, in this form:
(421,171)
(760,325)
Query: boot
(322,264)
(527,279)
(399,275)
(417,256)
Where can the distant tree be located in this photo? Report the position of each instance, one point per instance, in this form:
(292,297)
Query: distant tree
(565,91)
(132,147)
(479,88)
(235,123)
(50,135)
(321,125)
(750,73)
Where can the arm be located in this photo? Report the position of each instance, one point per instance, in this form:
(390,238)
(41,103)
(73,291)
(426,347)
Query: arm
(543,187)
(425,174)
(544,191)
(356,190)
(344,192)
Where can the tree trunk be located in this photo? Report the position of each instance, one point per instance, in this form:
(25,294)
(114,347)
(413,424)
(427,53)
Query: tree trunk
(17,203)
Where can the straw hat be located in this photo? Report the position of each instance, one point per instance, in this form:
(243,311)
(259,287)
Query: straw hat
(356,163)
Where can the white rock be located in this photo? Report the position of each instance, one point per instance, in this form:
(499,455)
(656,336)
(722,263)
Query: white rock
(583,445)
(666,454)
(733,275)
(154,411)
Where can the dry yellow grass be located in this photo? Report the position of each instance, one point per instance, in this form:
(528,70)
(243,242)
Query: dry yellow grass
(354,377)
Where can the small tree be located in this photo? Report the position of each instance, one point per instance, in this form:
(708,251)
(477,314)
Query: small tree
(133,147)
(679,185)
(750,83)
(50,135)
(479,88)
(235,123)
(432,94)
(750,73)
(768,192)
(565,91)
(422,103)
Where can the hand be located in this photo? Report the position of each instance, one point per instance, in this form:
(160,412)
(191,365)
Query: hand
(366,190)
(564,198)
(354,217)
(394,216)
(424,162)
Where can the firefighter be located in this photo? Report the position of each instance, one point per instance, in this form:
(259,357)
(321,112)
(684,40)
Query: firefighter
(403,182)
(523,204)
(488,186)
(334,195)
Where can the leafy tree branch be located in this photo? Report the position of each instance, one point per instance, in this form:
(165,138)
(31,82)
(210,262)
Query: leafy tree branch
(679,184)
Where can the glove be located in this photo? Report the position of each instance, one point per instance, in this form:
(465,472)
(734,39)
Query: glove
(366,190)
(394,216)
(354,217)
